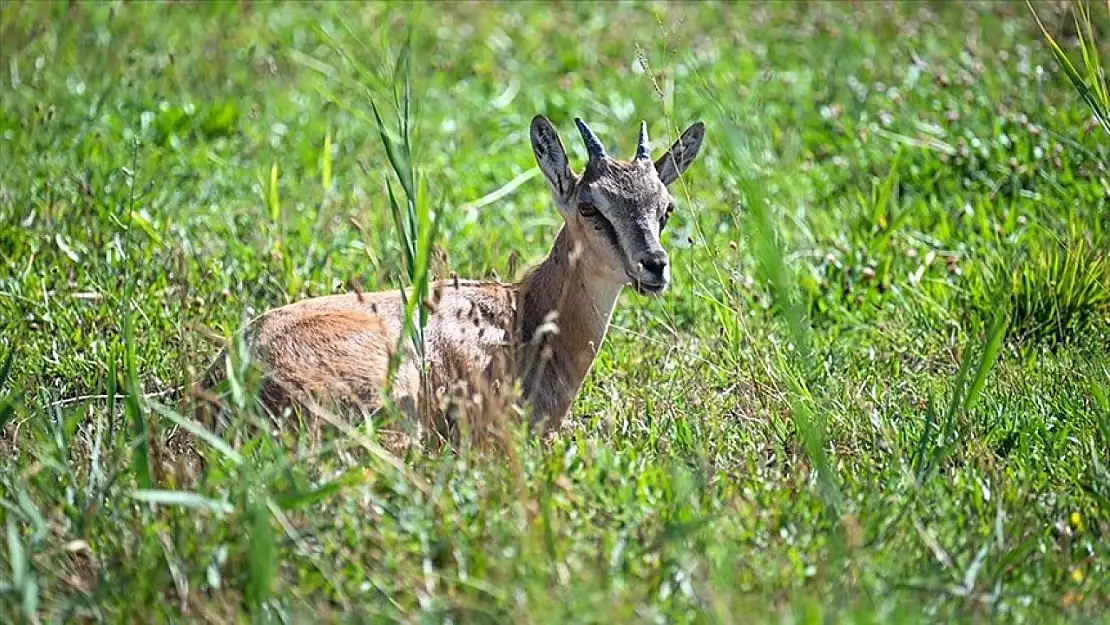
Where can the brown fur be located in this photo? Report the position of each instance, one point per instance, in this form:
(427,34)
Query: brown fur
(336,348)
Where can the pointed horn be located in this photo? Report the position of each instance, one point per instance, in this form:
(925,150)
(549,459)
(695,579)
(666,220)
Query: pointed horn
(593,145)
(643,150)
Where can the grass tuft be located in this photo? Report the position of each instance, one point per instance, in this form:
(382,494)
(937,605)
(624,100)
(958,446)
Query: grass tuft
(1061,294)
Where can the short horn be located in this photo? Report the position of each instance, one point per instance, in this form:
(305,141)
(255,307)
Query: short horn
(643,150)
(593,146)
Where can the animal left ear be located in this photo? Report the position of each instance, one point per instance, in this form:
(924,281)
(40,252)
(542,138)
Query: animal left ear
(671,165)
(552,159)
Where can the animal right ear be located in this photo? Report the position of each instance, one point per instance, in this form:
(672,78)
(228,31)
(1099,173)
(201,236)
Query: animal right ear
(552,159)
(671,165)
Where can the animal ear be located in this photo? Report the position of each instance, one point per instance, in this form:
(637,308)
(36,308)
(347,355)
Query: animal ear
(671,165)
(552,159)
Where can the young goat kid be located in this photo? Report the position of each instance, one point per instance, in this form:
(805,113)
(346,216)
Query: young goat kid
(543,332)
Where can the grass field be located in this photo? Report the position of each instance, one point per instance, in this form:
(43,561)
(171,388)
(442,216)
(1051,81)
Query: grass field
(876,392)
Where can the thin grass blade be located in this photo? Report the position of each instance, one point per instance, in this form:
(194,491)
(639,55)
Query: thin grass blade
(6,368)
(988,358)
(139,430)
(199,431)
(182,499)
(262,556)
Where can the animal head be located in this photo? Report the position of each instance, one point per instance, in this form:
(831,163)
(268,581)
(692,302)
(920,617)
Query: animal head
(616,209)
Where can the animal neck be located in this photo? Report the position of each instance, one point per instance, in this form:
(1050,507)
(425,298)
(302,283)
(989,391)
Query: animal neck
(555,360)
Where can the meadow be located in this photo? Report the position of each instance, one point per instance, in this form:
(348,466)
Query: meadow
(876,391)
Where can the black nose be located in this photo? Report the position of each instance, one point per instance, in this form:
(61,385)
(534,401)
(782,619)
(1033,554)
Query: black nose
(654,266)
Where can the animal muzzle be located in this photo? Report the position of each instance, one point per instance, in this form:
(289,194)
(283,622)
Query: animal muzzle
(651,273)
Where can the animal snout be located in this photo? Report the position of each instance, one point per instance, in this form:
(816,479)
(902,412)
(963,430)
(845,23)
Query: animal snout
(654,273)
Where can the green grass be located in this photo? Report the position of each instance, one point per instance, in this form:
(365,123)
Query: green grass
(876,392)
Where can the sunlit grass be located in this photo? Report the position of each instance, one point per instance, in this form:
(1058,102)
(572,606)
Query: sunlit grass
(874,392)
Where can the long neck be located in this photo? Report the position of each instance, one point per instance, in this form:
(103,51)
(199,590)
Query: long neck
(555,360)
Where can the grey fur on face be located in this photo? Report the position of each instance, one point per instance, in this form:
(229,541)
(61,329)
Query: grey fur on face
(617,208)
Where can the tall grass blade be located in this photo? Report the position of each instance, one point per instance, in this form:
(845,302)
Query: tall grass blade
(918,459)
(32,513)
(325,163)
(200,432)
(23,577)
(1088,46)
(181,499)
(396,160)
(302,499)
(96,474)
(412,216)
(113,386)
(409,209)
(273,199)
(964,394)
(766,246)
(365,75)
(408,250)
(7,401)
(6,368)
(139,429)
(7,411)
(1093,89)
(1101,398)
(426,229)
(988,358)
(17,559)
(261,558)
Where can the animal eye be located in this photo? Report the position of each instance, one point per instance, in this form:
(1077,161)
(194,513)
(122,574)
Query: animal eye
(666,216)
(587,209)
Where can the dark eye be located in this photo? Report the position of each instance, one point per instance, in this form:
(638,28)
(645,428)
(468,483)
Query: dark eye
(666,216)
(587,209)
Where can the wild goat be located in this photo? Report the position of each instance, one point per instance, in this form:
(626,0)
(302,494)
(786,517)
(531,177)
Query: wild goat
(543,332)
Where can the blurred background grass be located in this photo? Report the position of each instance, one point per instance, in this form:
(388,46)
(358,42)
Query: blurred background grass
(922,167)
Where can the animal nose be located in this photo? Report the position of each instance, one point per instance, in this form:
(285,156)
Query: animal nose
(653,266)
